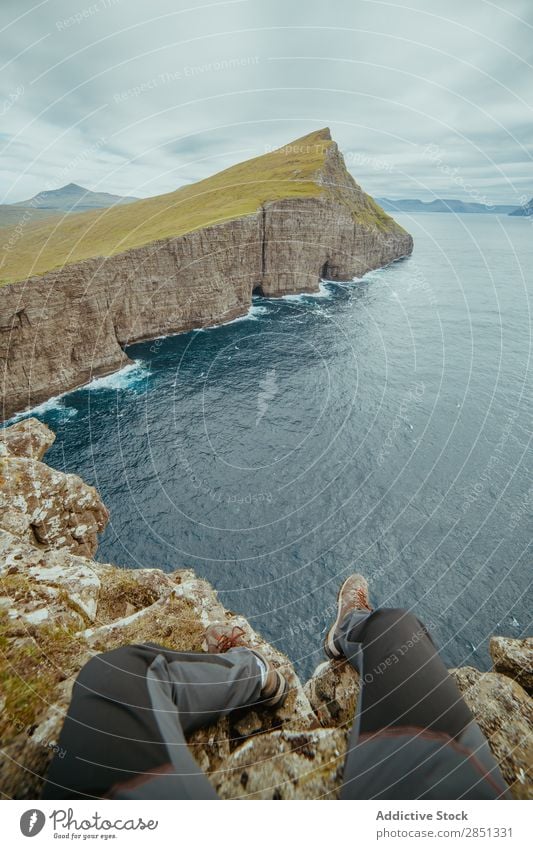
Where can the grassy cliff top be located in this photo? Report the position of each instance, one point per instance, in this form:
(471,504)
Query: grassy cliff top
(292,171)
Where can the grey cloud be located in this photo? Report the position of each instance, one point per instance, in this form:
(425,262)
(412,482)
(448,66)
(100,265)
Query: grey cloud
(177,95)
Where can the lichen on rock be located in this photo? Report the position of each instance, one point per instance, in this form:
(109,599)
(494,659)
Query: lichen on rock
(504,712)
(28,438)
(333,690)
(284,765)
(48,508)
(514,658)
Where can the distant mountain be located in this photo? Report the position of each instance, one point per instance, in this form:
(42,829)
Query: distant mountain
(526,209)
(69,198)
(443,205)
(11,214)
(73,198)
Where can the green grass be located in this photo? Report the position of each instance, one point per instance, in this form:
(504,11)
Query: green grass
(31,669)
(11,215)
(289,172)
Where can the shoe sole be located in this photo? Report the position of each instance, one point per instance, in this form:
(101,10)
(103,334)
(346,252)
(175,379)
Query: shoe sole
(329,645)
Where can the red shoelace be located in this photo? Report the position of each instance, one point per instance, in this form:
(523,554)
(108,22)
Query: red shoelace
(230,641)
(360,598)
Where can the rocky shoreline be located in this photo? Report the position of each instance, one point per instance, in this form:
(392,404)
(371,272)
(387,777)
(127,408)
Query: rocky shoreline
(58,607)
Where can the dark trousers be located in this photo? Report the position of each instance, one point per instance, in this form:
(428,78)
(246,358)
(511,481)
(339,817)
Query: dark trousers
(124,735)
(413,735)
(131,708)
(405,683)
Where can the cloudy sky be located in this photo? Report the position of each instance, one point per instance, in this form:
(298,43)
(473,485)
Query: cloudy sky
(426,98)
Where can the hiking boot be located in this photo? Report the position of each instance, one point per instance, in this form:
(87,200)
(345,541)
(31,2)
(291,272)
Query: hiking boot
(353,595)
(220,638)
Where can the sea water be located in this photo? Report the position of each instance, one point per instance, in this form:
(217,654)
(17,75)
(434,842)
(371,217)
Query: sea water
(380,426)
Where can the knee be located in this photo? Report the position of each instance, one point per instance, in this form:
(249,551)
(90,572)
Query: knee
(396,614)
(116,659)
(397,618)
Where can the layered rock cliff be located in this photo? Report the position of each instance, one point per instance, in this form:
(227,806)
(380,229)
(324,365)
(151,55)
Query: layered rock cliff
(57,608)
(68,324)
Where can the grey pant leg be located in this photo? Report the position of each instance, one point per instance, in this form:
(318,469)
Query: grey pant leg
(124,733)
(189,693)
(405,681)
(207,687)
(405,684)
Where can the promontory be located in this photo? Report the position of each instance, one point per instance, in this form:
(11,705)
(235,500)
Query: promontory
(76,290)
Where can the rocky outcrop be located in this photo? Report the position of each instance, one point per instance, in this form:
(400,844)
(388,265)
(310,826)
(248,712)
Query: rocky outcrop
(52,587)
(332,692)
(285,765)
(504,712)
(514,658)
(61,329)
(28,438)
(42,506)
(58,608)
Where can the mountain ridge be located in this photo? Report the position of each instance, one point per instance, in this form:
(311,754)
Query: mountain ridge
(69,199)
(295,170)
(73,196)
(445,205)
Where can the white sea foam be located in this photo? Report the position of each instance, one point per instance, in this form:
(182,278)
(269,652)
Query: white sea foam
(123,379)
(252,315)
(347,284)
(324,292)
(52,404)
(256,310)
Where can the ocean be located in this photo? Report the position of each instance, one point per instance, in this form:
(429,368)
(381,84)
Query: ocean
(381,426)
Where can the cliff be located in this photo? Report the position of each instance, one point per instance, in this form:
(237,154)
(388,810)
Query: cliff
(525,210)
(58,607)
(273,225)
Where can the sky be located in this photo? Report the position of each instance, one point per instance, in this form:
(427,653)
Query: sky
(426,98)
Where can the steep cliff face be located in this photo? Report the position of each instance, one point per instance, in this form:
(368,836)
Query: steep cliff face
(65,326)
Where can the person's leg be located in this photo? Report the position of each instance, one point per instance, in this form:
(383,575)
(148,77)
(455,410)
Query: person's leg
(405,682)
(205,687)
(191,690)
(424,742)
(130,709)
(187,691)
(413,735)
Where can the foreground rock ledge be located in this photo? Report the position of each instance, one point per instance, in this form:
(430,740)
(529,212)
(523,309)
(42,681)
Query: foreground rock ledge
(58,608)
